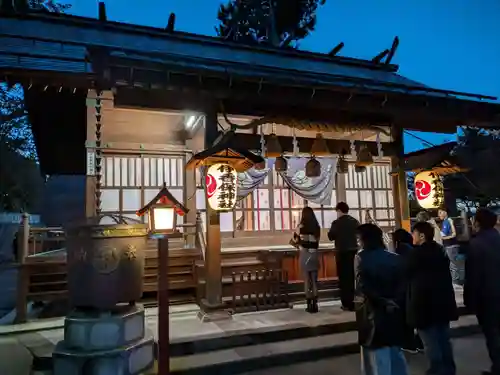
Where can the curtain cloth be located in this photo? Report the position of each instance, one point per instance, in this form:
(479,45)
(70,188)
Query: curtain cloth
(316,189)
(313,189)
(250,180)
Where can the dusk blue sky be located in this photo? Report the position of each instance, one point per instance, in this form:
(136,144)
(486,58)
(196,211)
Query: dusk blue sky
(447,44)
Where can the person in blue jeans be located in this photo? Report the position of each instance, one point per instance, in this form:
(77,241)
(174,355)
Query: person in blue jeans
(431,304)
(379,305)
(451,246)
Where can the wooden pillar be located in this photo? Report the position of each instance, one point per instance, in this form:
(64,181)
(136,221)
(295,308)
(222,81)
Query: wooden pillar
(23,236)
(213,274)
(194,145)
(399,184)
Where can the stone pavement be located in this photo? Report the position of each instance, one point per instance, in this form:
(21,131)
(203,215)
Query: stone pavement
(252,337)
(470,355)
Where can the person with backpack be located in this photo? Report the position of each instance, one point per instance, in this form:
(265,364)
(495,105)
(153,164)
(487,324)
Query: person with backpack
(379,300)
(431,304)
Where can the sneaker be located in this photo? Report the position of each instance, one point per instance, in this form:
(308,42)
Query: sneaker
(411,351)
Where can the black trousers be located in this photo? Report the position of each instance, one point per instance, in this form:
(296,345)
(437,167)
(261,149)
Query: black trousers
(412,340)
(345,271)
(490,325)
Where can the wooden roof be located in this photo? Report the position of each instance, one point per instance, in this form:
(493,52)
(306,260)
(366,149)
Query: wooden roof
(69,50)
(165,197)
(439,159)
(150,67)
(240,158)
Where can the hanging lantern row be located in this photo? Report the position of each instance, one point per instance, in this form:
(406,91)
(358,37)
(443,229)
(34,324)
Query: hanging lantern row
(364,157)
(273,149)
(281,164)
(313,168)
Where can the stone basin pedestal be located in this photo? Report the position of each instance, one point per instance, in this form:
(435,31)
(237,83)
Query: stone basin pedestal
(104,343)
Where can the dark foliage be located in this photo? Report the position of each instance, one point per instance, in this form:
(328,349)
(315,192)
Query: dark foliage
(479,151)
(257,22)
(49,5)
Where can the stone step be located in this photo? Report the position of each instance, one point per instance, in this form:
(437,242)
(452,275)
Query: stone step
(260,355)
(327,325)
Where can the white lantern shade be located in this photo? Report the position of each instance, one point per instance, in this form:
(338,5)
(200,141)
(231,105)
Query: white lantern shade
(426,187)
(162,219)
(221,186)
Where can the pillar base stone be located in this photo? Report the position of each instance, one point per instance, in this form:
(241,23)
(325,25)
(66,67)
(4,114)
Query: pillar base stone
(210,312)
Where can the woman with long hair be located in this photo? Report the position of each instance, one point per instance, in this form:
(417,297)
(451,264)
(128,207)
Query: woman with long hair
(307,237)
(379,305)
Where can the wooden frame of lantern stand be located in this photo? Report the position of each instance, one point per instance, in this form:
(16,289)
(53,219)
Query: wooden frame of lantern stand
(164,304)
(219,149)
(167,200)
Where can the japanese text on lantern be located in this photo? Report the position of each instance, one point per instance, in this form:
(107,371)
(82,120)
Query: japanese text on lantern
(429,190)
(221,185)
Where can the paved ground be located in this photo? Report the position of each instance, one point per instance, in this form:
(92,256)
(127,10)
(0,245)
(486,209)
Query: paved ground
(470,355)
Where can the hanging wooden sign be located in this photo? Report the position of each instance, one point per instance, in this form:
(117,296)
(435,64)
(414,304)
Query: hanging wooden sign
(90,163)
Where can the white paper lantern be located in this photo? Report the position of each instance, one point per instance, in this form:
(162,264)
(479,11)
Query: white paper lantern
(427,186)
(221,186)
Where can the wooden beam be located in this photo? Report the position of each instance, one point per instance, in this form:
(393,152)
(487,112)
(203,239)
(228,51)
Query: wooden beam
(374,97)
(359,109)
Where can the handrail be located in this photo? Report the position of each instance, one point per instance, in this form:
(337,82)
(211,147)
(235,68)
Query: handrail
(29,245)
(200,241)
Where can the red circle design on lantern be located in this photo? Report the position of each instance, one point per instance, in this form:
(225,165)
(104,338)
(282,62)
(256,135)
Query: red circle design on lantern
(423,189)
(211,185)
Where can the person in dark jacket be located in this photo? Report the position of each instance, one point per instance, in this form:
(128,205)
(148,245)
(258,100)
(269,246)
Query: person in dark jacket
(482,282)
(431,304)
(343,232)
(307,236)
(403,245)
(379,296)
(403,242)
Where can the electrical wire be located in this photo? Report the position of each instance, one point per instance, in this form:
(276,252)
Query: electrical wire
(459,172)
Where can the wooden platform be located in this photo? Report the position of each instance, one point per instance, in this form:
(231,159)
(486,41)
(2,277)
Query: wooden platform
(44,279)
